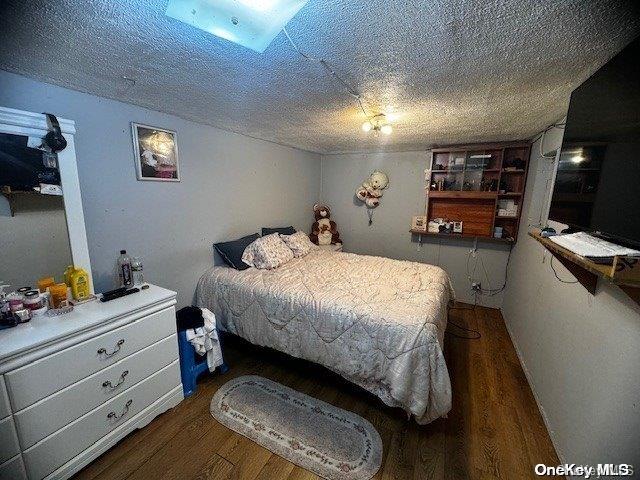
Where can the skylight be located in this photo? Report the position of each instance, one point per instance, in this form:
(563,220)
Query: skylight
(251,23)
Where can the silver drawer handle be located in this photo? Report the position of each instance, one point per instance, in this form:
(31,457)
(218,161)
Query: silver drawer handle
(103,351)
(122,414)
(113,387)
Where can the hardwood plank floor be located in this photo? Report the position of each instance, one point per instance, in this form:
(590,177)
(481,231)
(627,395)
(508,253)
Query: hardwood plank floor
(494,429)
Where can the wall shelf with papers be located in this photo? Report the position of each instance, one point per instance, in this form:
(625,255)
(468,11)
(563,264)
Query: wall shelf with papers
(624,271)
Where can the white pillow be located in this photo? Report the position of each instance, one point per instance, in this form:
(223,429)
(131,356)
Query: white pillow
(299,243)
(267,252)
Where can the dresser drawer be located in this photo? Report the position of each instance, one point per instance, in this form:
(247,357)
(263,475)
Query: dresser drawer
(37,380)
(52,413)
(9,446)
(13,469)
(55,450)
(5,408)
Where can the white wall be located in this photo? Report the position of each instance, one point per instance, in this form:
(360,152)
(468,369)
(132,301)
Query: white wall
(231,185)
(581,352)
(35,242)
(389,235)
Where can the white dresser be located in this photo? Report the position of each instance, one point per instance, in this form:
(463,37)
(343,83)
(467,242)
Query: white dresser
(72,386)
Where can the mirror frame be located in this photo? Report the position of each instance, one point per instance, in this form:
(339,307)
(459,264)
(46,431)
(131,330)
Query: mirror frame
(19,122)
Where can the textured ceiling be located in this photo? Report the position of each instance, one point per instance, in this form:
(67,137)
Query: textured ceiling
(455,71)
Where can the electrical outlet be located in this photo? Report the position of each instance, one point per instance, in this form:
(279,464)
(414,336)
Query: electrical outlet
(476,286)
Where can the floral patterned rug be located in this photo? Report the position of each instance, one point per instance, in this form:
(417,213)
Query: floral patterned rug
(328,441)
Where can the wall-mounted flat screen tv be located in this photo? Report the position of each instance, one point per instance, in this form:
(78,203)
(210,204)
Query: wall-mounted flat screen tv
(597,186)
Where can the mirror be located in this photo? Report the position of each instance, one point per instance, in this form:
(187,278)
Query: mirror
(35,241)
(42,231)
(33,226)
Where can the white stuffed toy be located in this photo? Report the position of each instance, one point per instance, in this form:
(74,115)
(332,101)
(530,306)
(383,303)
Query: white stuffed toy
(371,189)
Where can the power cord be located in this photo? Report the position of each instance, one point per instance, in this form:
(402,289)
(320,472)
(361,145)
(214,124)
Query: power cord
(476,333)
(556,273)
(495,291)
(490,292)
(348,88)
(473,307)
(541,138)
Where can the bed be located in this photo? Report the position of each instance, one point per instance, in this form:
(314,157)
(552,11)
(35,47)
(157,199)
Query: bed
(377,322)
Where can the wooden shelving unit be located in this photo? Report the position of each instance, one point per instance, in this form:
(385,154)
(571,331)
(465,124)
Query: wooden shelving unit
(461,235)
(510,194)
(462,194)
(623,272)
(467,182)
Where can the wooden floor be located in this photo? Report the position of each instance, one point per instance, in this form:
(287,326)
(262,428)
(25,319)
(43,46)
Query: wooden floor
(493,431)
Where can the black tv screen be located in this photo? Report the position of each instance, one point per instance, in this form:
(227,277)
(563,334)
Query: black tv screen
(597,185)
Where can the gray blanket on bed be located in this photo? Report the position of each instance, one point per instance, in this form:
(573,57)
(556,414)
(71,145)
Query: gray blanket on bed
(377,322)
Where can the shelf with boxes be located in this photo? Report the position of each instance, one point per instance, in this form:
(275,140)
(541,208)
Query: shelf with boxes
(476,191)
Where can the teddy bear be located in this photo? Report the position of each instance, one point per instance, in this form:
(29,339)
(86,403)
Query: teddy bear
(324,231)
(371,189)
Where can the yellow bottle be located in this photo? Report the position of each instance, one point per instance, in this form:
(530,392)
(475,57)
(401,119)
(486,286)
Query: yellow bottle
(79,280)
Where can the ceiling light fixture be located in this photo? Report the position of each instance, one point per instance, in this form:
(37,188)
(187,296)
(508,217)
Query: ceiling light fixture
(254,24)
(374,123)
(250,23)
(378,123)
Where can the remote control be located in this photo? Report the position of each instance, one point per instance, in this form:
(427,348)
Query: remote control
(117,293)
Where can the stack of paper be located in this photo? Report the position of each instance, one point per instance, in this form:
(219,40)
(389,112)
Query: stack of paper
(586,245)
(507,208)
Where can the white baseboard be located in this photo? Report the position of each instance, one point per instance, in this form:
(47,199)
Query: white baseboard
(527,374)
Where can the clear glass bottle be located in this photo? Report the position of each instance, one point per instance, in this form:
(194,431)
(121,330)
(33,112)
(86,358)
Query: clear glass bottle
(136,267)
(124,269)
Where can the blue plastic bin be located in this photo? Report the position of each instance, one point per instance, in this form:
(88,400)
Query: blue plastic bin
(193,365)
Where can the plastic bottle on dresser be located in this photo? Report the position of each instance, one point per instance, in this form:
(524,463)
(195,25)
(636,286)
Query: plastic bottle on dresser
(136,267)
(125,272)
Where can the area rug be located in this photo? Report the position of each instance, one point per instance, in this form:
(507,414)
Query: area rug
(328,441)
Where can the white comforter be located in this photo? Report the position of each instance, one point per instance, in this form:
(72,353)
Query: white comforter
(377,322)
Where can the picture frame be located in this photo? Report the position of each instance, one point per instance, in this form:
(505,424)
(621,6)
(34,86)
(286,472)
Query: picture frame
(419,223)
(155,151)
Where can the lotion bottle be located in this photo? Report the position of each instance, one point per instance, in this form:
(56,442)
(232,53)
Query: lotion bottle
(79,284)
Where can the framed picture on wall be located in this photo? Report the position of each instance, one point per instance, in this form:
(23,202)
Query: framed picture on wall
(156,153)
(419,223)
